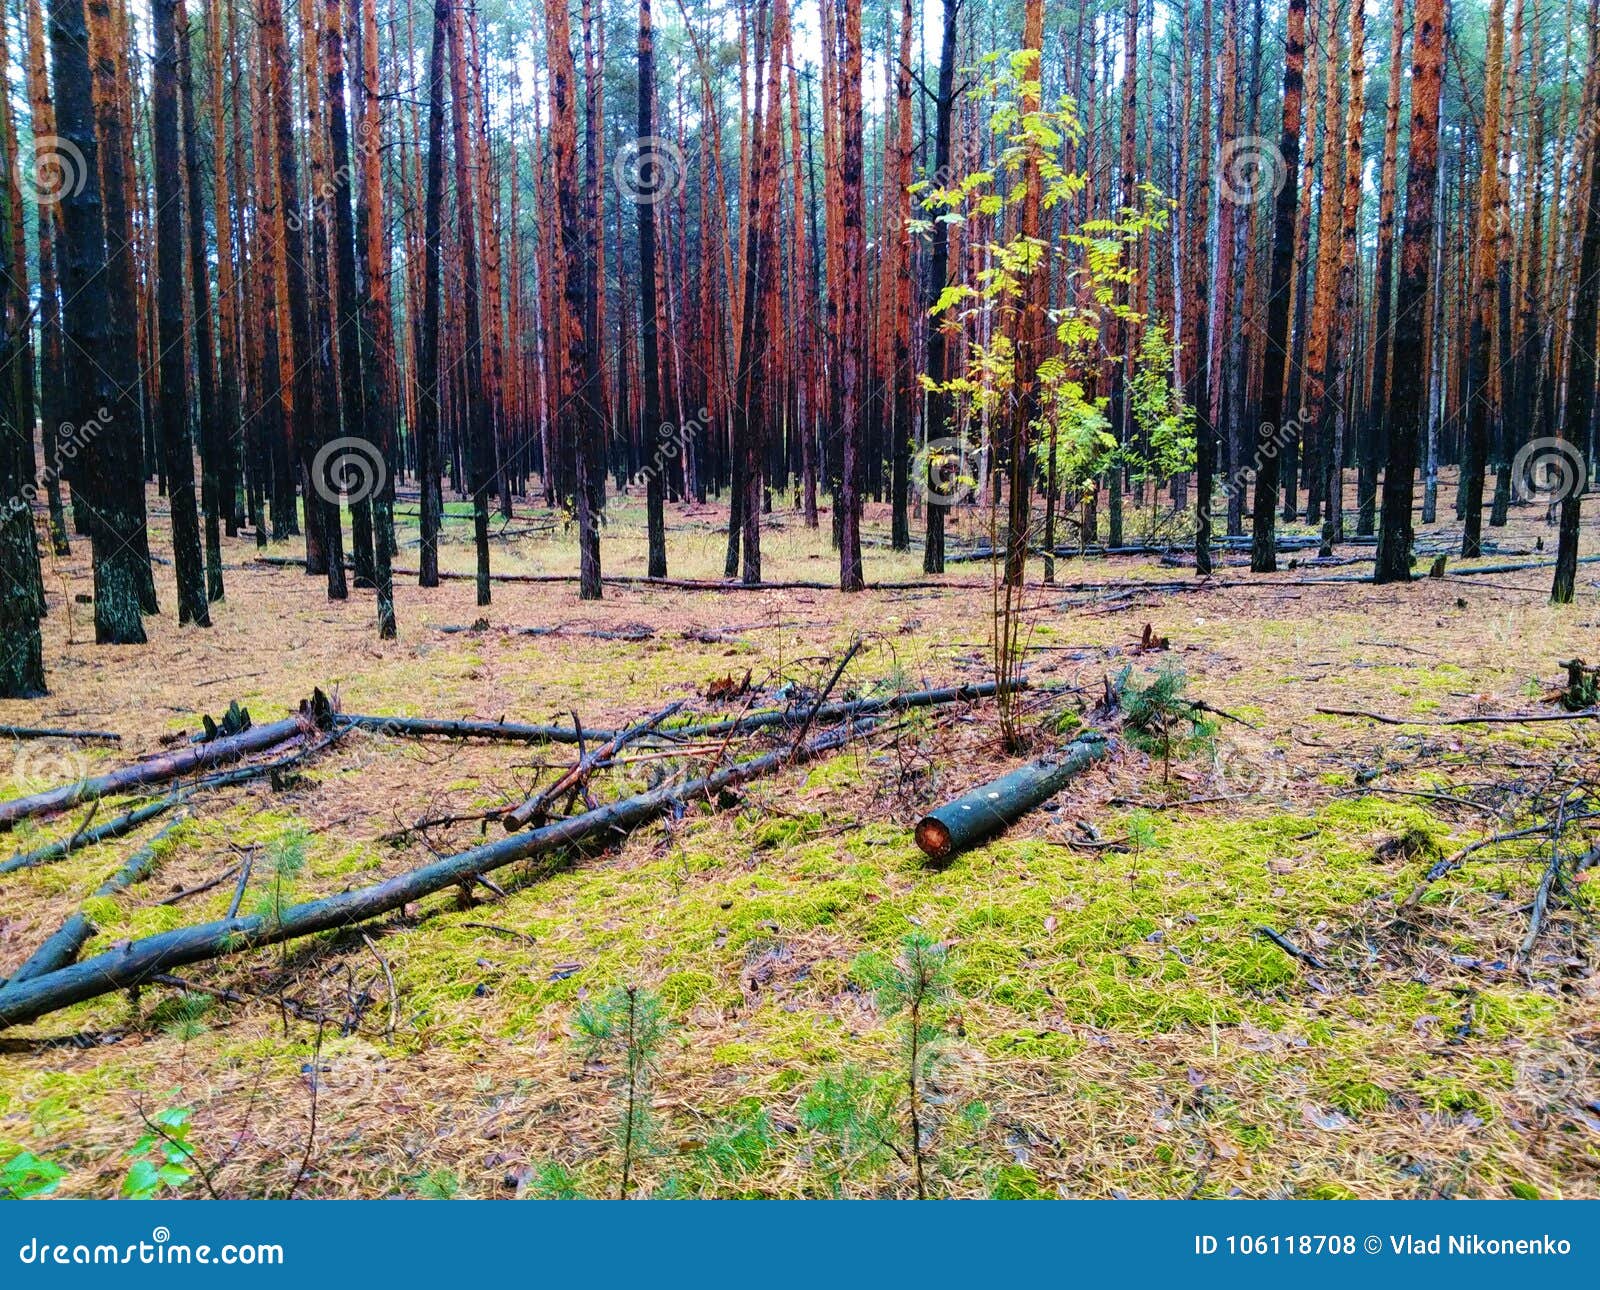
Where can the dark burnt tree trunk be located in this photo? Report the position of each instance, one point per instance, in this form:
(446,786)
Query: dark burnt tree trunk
(187,561)
(651,446)
(108,445)
(936,422)
(430,465)
(1270,434)
(1416,243)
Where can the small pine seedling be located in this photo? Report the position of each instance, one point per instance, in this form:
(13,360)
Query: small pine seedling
(627,1026)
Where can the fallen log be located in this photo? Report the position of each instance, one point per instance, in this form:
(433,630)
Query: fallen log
(61,948)
(446,728)
(45,732)
(110,829)
(986,810)
(169,766)
(1485,719)
(538,806)
(137,961)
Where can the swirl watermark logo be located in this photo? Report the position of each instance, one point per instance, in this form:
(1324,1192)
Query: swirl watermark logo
(160,1235)
(37,764)
(1250,168)
(942,471)
(58,170)
(1249,769)
(1549,470)
(349,466)
(648,169)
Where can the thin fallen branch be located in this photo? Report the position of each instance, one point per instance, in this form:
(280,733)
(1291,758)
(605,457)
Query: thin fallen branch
(1488,719)
(1290,948)
(61,948)
(199,889)
(538,806)
(45,732)
(239,888)
(128,965)
(822,698)
(88,837)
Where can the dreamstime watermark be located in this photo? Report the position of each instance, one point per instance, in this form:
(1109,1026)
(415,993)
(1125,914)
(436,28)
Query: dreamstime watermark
(349,467)
(648,170)
(48,764)
(70,441)
(1250,168)
(160,1249)
(671,442)
(1252,768)
(58,170)
(942,471)
(1549,470)
(1270,441)
(366,143)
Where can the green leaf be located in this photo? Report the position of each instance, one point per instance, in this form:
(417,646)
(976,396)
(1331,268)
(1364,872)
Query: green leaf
(142,1182)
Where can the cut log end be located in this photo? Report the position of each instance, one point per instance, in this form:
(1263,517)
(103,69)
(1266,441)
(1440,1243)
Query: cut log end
(933,836)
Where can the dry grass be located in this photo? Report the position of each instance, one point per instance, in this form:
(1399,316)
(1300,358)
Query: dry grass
(1116,1019)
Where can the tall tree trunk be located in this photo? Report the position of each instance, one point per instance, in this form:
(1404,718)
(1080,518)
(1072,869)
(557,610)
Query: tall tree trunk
(479,442)
(1405,401)
(21,647)
(1369,446)
(1480,397)
(852,400)
(211,432)
(176,452)
(108,426)
(900,275)
(936,417)
(1271,430)
(1578,421)
(578,398)
(430,464)
(377,324)
(650,438)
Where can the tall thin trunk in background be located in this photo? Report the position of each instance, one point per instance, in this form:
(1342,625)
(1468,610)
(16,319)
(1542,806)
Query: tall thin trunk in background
(1029,335)
(1270,433)
(1334,414)
(1579,417)
(52,359)
(578,397)
(21,647)
(1370,445)
(480,474)
(1405,401)
(899,270)
(1197,348)
(187,561)
(429,391)
(852,401)
(1480,393)
(649,356)
(1122,332)
(205,364)
(377,325)
(303,437)
(936,418)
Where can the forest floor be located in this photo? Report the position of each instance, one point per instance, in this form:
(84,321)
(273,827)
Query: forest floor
(1118,1024)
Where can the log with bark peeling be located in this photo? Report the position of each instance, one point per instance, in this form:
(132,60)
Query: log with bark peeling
(537,807)
(163,769)
(88,837)
(983,812)
(142,960)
